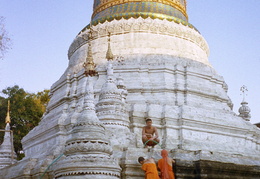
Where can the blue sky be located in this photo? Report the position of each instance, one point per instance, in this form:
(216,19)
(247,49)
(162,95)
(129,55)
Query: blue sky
(42,31)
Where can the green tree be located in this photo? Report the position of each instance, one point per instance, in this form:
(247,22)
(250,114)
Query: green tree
(26,110)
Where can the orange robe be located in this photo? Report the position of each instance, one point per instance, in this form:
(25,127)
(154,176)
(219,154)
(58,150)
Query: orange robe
(150,171)
(170,172)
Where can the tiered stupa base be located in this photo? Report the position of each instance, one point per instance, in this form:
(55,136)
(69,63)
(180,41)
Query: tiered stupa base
(206,138)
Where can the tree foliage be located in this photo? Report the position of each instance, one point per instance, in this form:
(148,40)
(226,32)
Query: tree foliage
(26,110)
(5,41)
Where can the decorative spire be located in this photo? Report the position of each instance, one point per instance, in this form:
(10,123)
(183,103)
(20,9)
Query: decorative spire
(89,64)
(109,55)
(111,109)
(7,119)
(112,112)
(244,110)
(88,113)
(244,90)
(88,150)
(7,154)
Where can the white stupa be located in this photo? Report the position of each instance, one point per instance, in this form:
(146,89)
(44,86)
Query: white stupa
(159,70)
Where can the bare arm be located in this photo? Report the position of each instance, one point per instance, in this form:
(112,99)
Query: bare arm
(143,132)
(170,161)
(156,133)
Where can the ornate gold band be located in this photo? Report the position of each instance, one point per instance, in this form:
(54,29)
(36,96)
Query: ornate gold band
(104,4)
(143,15)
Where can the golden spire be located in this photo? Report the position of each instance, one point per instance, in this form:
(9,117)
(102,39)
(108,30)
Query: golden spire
(109,55)
(7,119)
(89,64)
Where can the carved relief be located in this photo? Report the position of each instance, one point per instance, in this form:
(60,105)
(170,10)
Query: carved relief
(145,25)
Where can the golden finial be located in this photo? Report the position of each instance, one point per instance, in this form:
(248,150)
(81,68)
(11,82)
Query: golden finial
(7,119)
(89,64)
(109,55)
(134,8)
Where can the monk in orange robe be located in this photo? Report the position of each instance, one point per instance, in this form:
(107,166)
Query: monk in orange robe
(149,167)
(165,166)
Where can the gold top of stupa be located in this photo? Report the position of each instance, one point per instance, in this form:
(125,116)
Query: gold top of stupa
(7,119)
(116,9)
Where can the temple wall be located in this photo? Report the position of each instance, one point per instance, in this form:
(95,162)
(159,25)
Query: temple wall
(165,89)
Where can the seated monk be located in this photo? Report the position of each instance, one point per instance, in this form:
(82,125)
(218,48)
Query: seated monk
(149,167)
(165,166)
(150,134)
